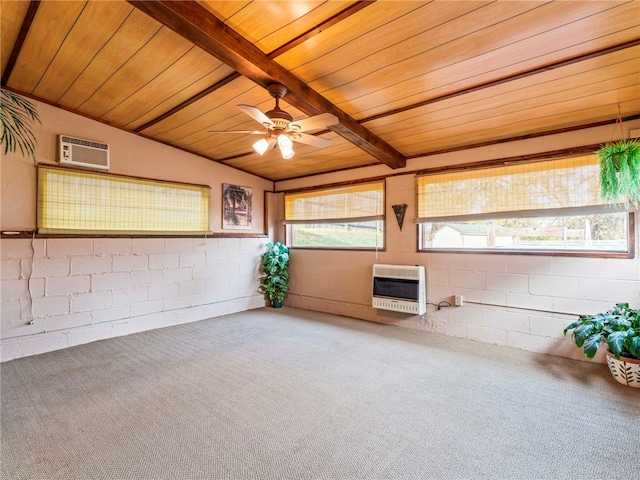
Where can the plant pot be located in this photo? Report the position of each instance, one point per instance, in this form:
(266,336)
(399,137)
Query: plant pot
(626,370)
(276,304)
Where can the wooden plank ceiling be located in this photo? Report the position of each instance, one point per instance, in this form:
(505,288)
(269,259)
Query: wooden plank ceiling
(405,78)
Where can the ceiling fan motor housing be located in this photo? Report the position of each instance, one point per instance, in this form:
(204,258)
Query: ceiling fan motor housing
(279,117)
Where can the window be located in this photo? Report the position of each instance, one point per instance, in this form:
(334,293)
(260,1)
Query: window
(546,207)
(350,216)
(75,202)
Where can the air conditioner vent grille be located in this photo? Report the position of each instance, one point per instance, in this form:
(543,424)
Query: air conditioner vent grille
(85,143)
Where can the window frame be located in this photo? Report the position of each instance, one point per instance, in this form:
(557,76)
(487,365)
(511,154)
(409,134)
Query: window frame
(110,178)
(288,224)
(539,213)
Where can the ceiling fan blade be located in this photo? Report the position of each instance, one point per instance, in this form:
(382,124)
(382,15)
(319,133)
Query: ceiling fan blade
(310,139)
(256,114)
(311,123)
(249,132)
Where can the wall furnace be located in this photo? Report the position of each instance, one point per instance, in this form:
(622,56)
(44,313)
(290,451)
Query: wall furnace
(400,288)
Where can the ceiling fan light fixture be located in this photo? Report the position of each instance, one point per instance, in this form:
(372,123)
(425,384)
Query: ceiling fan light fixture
(287,153)
(261,146)
(286,146)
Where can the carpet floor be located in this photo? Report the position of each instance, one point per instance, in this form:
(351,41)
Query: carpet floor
(294,394)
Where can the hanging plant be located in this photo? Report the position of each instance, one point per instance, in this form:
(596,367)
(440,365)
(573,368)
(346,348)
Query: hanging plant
(17,115)
(620,171)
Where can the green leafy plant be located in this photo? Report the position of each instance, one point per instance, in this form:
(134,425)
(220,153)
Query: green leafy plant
(275,264)
(620,171)
(17,115)
(619,328)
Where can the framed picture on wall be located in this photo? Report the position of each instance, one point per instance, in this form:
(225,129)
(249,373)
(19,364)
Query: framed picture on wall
(236,207)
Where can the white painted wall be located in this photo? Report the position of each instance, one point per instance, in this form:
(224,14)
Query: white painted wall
(521,301)
(60,292)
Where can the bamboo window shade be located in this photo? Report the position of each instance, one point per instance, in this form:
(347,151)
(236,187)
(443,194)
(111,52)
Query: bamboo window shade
(526,188)
(355,203)
(75,202)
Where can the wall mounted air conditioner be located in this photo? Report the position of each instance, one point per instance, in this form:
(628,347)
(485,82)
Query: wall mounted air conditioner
(77,152)
(400,288)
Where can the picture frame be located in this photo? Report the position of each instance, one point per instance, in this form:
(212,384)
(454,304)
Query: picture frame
(236,207)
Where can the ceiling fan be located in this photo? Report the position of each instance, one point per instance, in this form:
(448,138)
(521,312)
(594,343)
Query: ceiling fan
(279,127)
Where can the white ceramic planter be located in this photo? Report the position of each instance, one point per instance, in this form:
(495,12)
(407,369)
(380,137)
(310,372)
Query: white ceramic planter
(626,370)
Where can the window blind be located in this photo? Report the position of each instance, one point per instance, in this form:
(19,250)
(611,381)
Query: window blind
(556,185)
(359,202)
(75,202)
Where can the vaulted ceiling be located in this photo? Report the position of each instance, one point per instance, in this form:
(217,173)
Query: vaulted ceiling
(405,78)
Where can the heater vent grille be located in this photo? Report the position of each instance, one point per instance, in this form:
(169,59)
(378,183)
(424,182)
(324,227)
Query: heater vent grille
(400,288)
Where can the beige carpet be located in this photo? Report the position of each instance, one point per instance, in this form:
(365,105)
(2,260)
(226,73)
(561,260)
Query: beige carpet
(294,394)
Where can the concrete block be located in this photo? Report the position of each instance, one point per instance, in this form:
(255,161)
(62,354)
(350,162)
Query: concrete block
(91,301)
(173,275)
(178,244)
(178,303)
(91,265)
(466,279)
(110,281)
(67,247)
(548,326)
(14,289)
(614,291)
(81,336)
(219,309)
(129,263)
(189,315)
(51,267)
(42,343)
(204,272)
(534,343)
(17,326)
(192,259)
(164,260)
(140,246)
(192,287)
(531,302)
(509,321)
(64,322)
(146,308)
(110,314)
(18,248)
(67,285)
(11,269)
(585,268)
(486,335)
(46,306)
(554,286)
(128,296)
(162,291)
(530,264)
(618,269)
(128,327)
(9,350)
(507,282)
(111,246)
(141,278)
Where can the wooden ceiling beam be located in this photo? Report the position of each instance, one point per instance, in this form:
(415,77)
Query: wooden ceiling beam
(24,29)
(199,26)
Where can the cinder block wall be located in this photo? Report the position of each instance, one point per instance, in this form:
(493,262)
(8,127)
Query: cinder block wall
(521,301)
(57,293)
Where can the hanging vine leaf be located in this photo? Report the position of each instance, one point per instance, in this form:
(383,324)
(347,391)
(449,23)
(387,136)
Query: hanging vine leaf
(17,115)
(620,171)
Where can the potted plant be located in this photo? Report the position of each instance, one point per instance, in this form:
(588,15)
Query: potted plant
(620,329)
(16,115)
(275,281)
(620,171)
